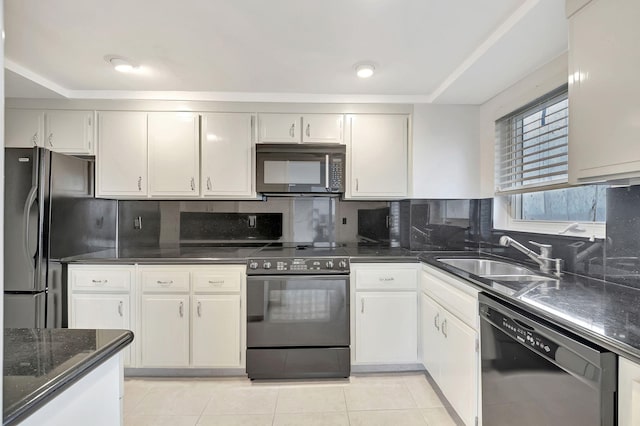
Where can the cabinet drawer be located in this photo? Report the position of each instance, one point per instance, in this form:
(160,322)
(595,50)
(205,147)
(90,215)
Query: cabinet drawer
(216,281)
(462,305)
(392,279)
(165,280)
(100,280)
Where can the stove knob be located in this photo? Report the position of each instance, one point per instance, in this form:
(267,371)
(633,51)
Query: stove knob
(266,265)
(329,264)
(253,265)
(342,264)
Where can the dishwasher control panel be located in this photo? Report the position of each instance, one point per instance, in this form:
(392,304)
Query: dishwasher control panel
(523,334)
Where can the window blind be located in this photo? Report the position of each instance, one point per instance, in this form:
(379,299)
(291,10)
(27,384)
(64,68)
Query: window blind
(532,146)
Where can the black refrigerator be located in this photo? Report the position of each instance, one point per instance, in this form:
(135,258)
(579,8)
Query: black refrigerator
(49,213)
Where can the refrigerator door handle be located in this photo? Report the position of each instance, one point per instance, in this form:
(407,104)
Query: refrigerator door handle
(31,198)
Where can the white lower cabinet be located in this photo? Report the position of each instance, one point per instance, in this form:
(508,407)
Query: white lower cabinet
(384,313)
(165,330)
(450,345)
(100,296)
(192,316)
(628,392)
(215,335)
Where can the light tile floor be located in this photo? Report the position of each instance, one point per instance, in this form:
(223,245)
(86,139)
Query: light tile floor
(373,400)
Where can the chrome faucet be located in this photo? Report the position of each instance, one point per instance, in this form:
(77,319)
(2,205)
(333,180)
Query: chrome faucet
(543,259)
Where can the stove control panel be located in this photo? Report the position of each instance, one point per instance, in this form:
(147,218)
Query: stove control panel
(304,265)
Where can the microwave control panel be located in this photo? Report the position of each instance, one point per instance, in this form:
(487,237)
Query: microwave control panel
(336,175)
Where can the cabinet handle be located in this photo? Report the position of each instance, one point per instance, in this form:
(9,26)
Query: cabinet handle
(51,139)
(120,308)
(139,183)
(199,309)
(309,130)
(357,184)
(444,328)
(34,139)
(168,282)
(193,184)
(208,183)
(292,130)
(362,306)
(436,321)
(217,283)
(99,281)
(181,309)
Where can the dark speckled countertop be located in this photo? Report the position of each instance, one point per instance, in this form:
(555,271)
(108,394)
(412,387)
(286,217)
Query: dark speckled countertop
(606,313)
(41,363)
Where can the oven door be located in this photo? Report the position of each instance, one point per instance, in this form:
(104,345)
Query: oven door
(297,311)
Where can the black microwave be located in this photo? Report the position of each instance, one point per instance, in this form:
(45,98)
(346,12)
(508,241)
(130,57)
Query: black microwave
(300,168)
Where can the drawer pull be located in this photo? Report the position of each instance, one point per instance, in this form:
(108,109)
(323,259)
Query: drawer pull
(216,283)
(120,308)
(436,321)
(444,328)
(99,281)
(168,282)
(386,279)
(181,309)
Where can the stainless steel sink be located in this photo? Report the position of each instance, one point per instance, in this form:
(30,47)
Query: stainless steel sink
(485,267)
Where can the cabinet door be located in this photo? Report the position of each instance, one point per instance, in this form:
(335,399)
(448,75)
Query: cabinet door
(227,153)
(69,132)
(322,128)
(432,350)
(101,311)
(378,156)
(165,330)
(459,371)
(216,331)
(23,128)
(386,327)
(279,128)
(122,154)
(628,393)
(604,136)
(174,148)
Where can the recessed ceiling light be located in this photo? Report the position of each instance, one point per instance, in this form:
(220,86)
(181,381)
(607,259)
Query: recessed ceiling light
(120,64)
(365,70)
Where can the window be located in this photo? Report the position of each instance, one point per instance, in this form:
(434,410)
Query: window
(532,191)
(532,149)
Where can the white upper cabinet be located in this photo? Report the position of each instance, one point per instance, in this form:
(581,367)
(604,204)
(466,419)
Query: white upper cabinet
(174,151)
(279,128)
(604,136)
(69,132)
(377,155)
(322,128)
(296,128)
(122,154)
(227,156)
(24,128)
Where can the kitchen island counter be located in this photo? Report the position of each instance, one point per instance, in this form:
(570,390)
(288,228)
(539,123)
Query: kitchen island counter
(41,364)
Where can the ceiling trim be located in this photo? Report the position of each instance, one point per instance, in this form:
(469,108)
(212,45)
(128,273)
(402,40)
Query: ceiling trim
(484,47)
(36,78)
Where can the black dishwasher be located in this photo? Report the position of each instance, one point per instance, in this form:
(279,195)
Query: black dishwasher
(536,374)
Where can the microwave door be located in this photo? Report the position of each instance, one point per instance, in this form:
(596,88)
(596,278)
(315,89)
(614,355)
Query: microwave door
(295,173)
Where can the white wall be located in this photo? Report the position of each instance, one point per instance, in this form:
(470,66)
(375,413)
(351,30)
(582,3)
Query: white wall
(536,84)
(1,181)
(446,151)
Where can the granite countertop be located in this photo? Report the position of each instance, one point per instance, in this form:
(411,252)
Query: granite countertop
(40,363)
(186,254)
(605,313)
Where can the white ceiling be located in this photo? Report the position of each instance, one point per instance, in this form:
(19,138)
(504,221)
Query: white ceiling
(462,51)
